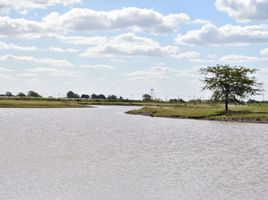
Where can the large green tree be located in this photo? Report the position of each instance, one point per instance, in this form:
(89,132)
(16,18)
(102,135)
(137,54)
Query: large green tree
(230,83)
(72,95)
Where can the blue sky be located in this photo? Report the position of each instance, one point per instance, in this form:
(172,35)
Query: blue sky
(127,47)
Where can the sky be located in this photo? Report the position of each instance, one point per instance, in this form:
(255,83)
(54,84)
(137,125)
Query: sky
(128,47)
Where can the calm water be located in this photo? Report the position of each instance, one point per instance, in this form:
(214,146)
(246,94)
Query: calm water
(103,154)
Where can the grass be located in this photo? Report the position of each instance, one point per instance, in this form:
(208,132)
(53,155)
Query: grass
(16,102)
(41,103)
(247,113)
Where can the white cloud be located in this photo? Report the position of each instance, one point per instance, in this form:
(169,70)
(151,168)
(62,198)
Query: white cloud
(61,50)
(238,58)
(48,61)
(24,5)
(5,46)
(78,19)
(138,19)
(130,44)
(244,10)
(200,21)
(4,77)
(264,52)
(6,70)
(153,73)
(81,40)
(25,28)
(27,75)
(55,72)
(104,67)
(225,35)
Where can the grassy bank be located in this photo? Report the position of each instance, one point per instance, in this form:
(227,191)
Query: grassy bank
(247,113)
(69,103)
(40,103)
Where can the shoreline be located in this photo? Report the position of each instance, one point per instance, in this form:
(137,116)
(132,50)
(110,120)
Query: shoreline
(203,119)
(240,114)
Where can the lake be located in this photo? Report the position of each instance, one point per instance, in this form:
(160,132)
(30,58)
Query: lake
(103,154)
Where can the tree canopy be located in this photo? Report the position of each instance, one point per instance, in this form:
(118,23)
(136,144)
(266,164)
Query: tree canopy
(72,95)
(230,83)
(33,94)
(146,97)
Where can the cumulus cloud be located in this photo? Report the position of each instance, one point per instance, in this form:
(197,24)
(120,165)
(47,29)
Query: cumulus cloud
(78,19)
(24,5)
(238,58)
(55,72)
(153,73)
(225,35)
(244,10)
(138,19)
(81,40)
(264,52)
(4,77)
(48,61)
(5,46)
(103,67)
(6,70)
(200,21)
(130,44)
(61,50)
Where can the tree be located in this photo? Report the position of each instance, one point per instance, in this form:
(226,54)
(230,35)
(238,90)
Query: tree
(72,95)
(9,94)
(85,96)
(146,97)
(21,94)
(230,83)
(100,96)
(112,97)
(33,94)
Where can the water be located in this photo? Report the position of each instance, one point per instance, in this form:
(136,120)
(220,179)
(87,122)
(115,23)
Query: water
(103,154)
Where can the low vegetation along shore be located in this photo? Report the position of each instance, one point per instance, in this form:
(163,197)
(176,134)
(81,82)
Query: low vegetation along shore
(252,112)
(240,113)
(26,102)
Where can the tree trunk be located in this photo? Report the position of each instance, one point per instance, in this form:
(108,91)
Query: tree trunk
(226,102)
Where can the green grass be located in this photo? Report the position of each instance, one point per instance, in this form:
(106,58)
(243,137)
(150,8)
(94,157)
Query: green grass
(249,113)
(33,103)
(252,112)
(16,102)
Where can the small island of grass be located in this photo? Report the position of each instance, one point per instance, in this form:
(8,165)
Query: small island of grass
(242,113)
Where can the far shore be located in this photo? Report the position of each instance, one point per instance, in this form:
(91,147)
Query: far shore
(255,113)
(250,113)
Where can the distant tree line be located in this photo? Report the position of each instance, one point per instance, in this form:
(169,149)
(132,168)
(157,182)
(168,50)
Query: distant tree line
(227,84)
(72,95)
(21,94)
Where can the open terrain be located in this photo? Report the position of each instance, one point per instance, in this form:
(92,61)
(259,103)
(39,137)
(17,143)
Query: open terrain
(256,112)
(249,113)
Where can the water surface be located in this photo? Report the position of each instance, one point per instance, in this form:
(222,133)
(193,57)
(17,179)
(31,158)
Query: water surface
(104,154)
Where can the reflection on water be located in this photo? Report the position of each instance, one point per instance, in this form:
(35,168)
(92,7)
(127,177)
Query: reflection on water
(103,154)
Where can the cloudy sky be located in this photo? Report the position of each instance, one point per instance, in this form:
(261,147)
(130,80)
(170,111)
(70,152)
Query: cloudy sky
(127,47)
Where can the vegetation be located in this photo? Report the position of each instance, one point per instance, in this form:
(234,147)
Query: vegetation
(39,103)
(230,83)
(100,96)
(257,112)
(72,95)
(33,94)
(146,97)
(21,94)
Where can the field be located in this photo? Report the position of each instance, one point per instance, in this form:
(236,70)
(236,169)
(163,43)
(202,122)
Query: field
(40,103)
(247,113)
(69,103)
(257,112)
